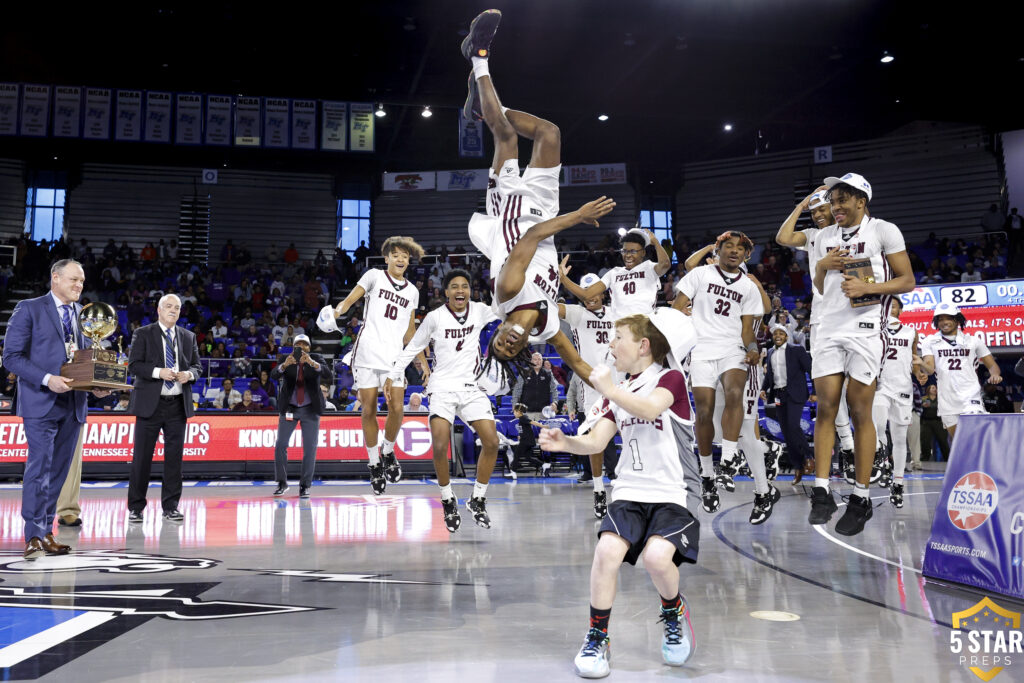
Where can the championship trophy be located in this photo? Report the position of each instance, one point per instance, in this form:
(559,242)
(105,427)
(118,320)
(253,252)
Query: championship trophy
(95,367)
(862,270)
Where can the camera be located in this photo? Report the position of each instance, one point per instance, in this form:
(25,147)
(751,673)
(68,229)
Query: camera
(297,354)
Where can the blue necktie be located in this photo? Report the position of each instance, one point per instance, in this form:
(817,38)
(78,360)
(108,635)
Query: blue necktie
(169,357)
(69,330)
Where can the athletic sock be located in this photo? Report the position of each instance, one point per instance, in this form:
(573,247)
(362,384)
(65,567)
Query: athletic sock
(599,484)
(728,450)
(845,437)
(480,67)
(671,603)
(707,466)
(821,483)
(898,480)
(387,446)
(446,492)
(479,490)
(599,618)
(862,491)
(374,453)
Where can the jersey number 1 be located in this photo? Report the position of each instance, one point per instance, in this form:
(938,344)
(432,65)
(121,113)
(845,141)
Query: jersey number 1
(637,465)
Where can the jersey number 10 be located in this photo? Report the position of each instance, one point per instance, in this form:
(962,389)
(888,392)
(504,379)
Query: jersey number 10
(391,312)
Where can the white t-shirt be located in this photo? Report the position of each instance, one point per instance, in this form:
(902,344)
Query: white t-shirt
(873,239)
(955,363)
(592,332)
(632,291)
(895,377)
(387,308)
(719,302)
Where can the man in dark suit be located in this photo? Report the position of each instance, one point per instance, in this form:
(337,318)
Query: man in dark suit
(164,360)
(42,335)
(302,402)
(785,379)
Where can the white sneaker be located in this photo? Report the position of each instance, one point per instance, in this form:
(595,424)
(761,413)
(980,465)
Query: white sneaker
(678,642)
(592,661)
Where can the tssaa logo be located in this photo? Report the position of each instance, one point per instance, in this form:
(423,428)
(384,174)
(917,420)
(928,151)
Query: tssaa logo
(986,635)
(972,501)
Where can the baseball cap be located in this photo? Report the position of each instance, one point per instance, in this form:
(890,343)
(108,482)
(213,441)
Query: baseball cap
(679,332)
(854,180)
(817,199)
(326,321)
(588,280)
(301,337)
(779,328)
(946,308)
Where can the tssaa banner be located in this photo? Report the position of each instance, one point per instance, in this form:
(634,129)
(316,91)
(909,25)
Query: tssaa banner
(111,438)
(994,310)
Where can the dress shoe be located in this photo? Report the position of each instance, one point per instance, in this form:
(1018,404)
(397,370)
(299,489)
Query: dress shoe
(173,516)
(282,488)
(34,548)
(135,517)
(303,492)
(68,520)
(52,547)
(797,476)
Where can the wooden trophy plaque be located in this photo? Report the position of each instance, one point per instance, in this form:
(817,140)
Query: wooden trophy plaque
(862,270)
(96,369)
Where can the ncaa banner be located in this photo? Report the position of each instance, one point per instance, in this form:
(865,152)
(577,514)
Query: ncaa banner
(9,93)
(188,118)
(333,126)
(409,182)
(247,122)
(97,114)
(361,122)
(128,120)
(303,124)
(276,132)
(475,179)
(158,117)
(977,535)
(471,137)
(594,174)
(227,437)
(35,110)
(67,112)
(218,120)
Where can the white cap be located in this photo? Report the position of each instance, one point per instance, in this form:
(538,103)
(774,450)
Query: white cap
(588,280)
(679,332)
(301,337)
(946,308)
(817,199)
(854,180)
(779,328)
(642,233)
(326,321)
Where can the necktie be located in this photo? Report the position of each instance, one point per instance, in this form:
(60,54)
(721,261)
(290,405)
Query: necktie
(300,386)
(169,356)
(69,330)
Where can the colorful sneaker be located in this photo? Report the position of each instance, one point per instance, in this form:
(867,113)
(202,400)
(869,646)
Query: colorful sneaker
(592,660)
(377,480)
(823,506)
(481,33)
(392,470)
(709,495)
(678,642)
(726,472)
(896,495)
(764,503)
(472,110)
(858,512)
(600,504)
(479,509)
(452,519)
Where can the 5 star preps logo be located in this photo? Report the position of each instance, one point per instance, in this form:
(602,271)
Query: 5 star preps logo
(972,501)
(986,635)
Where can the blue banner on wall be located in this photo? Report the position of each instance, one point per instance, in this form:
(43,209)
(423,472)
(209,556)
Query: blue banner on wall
(977,535)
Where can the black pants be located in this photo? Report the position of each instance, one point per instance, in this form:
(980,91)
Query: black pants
(788,415)
(170,417)
(931,431)
(309,422)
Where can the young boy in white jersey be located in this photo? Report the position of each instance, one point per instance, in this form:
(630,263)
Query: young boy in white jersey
(389,321)
(894,398)
(633,286)
(726,306)
(848,342)
(454,329)
(651,513)
(952,356)
(592,327)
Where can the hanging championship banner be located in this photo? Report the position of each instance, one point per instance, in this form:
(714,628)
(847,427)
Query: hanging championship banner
(67,112)
(594,174)
(304,124)
(408,182)
(158,117)
(475,179)
(188,120)
(128,121)
(471,137)
(218,119)
(9,108)
(97,114)
(35,110)
(360,127)
(247,122)
(333,126)
(276,132)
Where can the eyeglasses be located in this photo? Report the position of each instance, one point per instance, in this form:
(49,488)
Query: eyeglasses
(631,252)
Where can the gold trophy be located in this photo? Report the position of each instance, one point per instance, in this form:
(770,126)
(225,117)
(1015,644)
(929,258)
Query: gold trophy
(95,367)
(862,270)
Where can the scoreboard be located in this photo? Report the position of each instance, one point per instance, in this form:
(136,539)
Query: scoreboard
(994,310)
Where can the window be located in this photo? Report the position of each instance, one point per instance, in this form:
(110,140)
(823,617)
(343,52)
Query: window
(660,222)
(353,223)
(44,213)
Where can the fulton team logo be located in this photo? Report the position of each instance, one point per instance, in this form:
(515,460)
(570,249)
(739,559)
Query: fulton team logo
(972,501)
(414,439)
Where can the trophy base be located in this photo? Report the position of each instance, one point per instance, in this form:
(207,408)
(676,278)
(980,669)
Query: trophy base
(90,374)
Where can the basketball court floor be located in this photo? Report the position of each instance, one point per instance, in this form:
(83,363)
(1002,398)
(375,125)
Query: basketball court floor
(346,586)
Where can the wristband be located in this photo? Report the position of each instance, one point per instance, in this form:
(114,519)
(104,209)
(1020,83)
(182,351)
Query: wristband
(752,346)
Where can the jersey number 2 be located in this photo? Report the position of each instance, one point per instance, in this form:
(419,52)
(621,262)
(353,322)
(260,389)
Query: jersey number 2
(637,465)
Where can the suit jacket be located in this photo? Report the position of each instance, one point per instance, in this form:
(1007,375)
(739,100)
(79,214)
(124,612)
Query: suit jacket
(33,348)
(312,379)
(798,368)
(147,353)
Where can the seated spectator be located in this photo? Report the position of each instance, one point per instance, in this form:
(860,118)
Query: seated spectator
(122,403)
(326,391)
(240,365)
(219,329)
(414,373)
(291,254)
(246,405)
(558,372)
(227,397)
(267,386)
(344,400)
(247,319)
(261,397)
(415,404)
(969,274)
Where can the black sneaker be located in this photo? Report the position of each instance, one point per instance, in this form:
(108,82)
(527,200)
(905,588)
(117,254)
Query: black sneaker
(282,488)
(849,468)
(135,517)
(896,495)
(726,472)
(173,516)
(823,506)
(392,470)
(481,33)
(479,509)
(877,467)
(763,505)
(886,479)
(452,518)
(600,504)
(377,480)
(771,459)
(858,511)
(472,110)
(303,491)
(709,495)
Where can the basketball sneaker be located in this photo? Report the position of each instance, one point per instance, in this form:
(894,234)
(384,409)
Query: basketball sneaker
(479,509)
(481,33)
(823,506)
(677,644)
(592,660)
(726,472)
(764,503)
(878,466)
(896,495)
(858,512)
(709,495)
(848,468)
(392,470)
(600,504)
(472,110)
(452,519)
(771,459)
(377,481)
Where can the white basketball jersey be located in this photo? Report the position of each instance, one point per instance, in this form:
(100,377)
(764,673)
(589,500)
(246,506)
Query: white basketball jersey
(955,363)
(592,332)
(811,235)
(493,196)
(894,380)
(456,347)
(658,464)
(632,291)
(719,302)
(387,308)
(873,239)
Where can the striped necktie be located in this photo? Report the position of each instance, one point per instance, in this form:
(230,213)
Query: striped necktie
(69,330)
(169,356)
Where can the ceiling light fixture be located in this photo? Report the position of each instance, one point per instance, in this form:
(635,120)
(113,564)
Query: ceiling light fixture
(602,117)
(622,231)
(727,127)
(426,113)
(380,113)
(887,58)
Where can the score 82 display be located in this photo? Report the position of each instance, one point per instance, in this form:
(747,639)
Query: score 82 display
(994,310)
